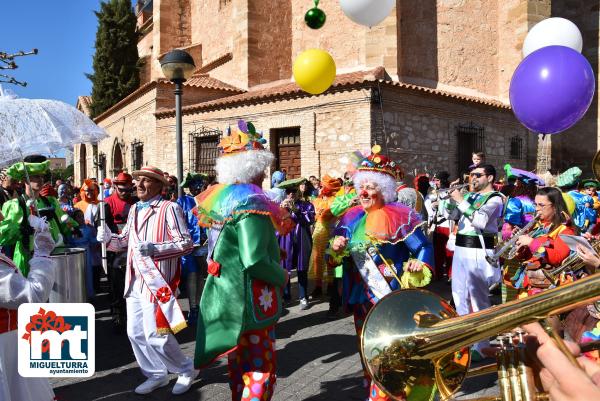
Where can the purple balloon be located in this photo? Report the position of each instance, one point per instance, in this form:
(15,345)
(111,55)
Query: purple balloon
(552,89)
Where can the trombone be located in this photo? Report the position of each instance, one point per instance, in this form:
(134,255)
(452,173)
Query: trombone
(413,343)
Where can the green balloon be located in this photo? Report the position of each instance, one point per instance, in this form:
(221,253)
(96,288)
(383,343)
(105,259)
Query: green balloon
(315,18)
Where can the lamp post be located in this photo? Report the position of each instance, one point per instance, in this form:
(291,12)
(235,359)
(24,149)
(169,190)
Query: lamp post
(177,66)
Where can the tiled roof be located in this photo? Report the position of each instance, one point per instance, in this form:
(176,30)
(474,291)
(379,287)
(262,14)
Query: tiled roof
(206,81)
(342,81)
(487,101)
(196,81)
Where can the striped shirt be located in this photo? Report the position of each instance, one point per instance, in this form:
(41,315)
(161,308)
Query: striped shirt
(162,224)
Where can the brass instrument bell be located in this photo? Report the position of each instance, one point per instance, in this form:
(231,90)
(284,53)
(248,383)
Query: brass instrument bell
(413,344)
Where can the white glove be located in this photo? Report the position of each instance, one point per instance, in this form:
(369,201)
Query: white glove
(39,224)
(147,248)
(43,244)
(103,234)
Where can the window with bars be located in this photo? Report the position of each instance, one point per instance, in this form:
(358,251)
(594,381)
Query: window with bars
(137,155)
(223,3)
(470,139)
(516,147)
(203,150)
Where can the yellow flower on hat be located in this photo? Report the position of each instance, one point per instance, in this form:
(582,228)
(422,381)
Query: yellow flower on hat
(234,142)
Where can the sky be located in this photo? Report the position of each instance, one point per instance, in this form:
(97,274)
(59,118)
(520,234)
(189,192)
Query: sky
(64,32)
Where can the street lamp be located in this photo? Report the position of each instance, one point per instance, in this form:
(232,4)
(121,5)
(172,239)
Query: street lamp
(177,66)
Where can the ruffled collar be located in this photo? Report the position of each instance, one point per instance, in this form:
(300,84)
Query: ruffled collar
(222,202)
(390,224)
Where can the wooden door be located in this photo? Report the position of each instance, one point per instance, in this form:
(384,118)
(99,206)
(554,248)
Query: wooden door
(288,153)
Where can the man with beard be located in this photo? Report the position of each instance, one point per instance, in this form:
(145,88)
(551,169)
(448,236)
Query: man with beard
(472,276)
(15,229)
(155,238)
(121,199)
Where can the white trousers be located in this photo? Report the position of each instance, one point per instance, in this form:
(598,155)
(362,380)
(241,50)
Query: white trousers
(14,387)
(472,276)
(157,354)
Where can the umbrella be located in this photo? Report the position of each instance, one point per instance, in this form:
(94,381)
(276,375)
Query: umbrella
(293,182)
(41,126)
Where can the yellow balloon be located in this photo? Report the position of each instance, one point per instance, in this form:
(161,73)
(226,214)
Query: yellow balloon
(314,71)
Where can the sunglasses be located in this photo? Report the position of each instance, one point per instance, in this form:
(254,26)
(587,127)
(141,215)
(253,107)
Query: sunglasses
(124,189)
(476,175)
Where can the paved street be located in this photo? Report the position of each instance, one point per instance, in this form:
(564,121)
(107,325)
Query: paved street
(318,360)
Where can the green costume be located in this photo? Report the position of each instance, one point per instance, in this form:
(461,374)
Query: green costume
(243,289)
(15,230)
(340,204)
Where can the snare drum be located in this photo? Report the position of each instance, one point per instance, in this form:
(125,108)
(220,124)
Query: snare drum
(69,285)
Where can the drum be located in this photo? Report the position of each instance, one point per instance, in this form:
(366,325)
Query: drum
(69,285)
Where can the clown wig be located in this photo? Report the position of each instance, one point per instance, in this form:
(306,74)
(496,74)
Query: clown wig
(385,183)
(243,167)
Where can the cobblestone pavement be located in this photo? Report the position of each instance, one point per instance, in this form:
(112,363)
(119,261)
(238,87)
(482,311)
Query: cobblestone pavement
(318,360)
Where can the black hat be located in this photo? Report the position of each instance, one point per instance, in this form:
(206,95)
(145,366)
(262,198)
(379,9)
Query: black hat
(35,159)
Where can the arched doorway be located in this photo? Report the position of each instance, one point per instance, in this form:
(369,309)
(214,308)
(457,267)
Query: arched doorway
(82,162)
(117,158)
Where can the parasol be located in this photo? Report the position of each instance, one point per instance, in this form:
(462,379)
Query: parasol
(41,126)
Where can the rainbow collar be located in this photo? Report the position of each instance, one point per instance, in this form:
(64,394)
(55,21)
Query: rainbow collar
(389,224)
(222,202)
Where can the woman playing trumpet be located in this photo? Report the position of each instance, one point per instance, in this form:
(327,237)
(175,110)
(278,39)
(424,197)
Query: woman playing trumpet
(542,249)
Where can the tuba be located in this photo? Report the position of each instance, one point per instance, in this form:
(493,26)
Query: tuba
(413,343)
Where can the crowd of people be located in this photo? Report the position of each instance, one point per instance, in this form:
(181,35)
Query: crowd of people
(231,246)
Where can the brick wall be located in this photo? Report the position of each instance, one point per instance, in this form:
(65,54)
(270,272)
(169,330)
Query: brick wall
(222,27)
(577,145)
(269,41)
(421,131)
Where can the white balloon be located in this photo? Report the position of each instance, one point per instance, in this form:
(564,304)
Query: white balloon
(367,12)
(553,32)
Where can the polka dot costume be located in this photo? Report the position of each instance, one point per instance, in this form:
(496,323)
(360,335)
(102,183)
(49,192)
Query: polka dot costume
(251,367)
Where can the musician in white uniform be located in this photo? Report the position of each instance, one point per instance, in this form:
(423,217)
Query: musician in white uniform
(14,291)
(440,226)
(472,275)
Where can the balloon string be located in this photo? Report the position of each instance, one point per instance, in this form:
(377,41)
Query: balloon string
(316,3)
